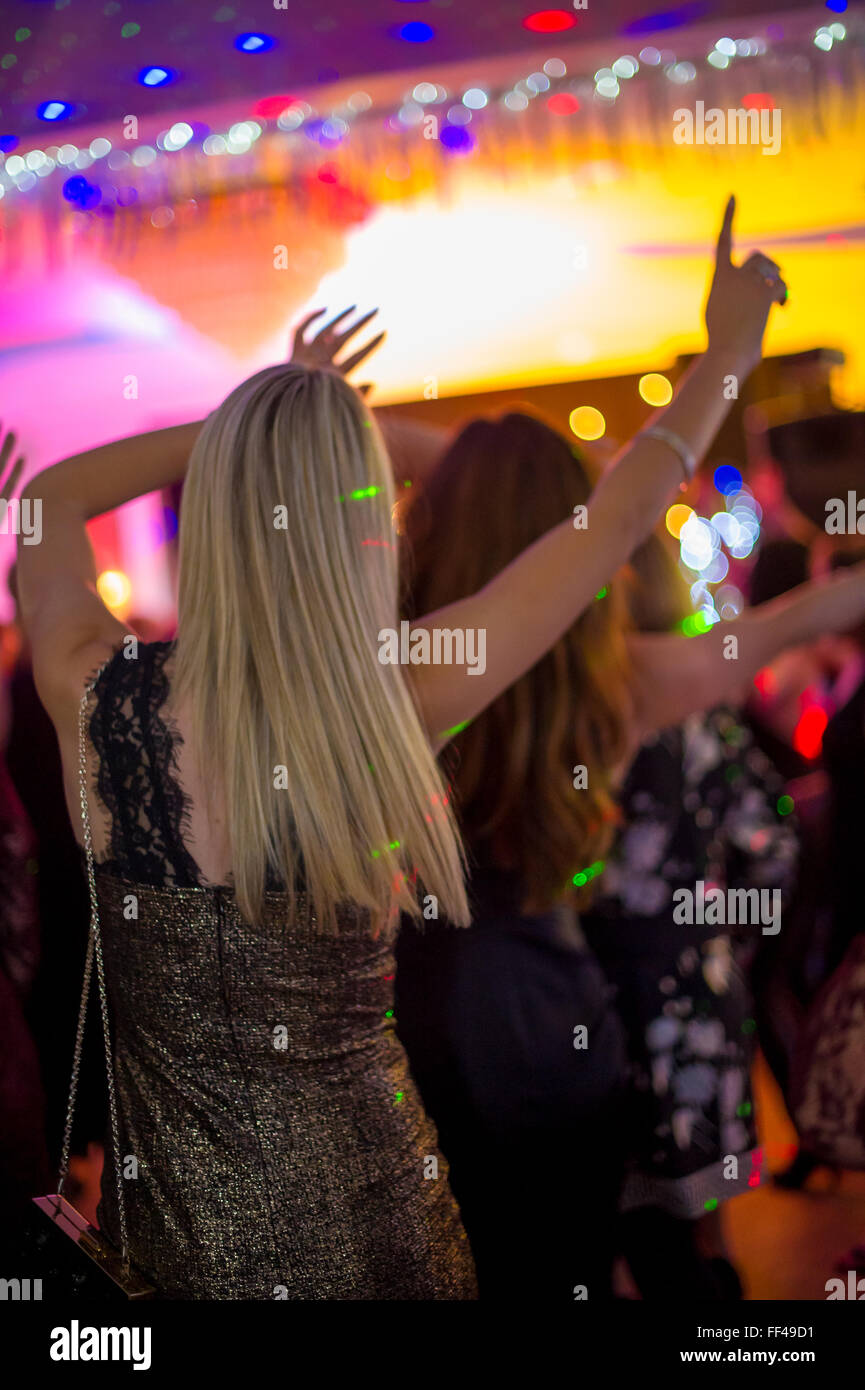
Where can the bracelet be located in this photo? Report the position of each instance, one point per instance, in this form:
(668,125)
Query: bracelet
(686,456)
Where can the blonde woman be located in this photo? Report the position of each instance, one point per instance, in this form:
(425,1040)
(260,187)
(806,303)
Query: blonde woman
(262,793)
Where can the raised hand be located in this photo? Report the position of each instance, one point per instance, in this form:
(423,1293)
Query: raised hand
(741,297)
(10,475)
(321,350)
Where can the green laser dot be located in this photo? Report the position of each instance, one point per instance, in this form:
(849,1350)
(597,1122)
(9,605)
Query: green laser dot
(130,30)
(785,805)
(584,875)
(388,1013)
(398,1097)
(602,593)
(711,1204)
(22,34)
(457,729)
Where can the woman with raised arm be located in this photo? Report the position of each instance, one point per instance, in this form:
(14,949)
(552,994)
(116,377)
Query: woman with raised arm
(510,1029)
(257,793)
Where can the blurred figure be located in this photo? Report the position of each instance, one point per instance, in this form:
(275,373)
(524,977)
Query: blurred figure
(24,1168)
(843,748)
(775,702)
(828,1100)
(787,713)
(699,802)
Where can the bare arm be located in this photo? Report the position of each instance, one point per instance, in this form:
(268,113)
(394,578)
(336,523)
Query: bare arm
(532,603)
(676,676)
(70,629)
(528,606)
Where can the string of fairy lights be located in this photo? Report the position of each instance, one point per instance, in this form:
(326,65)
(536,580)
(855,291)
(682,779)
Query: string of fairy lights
(287,122)
(707,544)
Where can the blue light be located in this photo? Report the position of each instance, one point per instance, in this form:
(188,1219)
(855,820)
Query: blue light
(457,139)
(155,77)
(54,110)
(727,479)
(837,6)
(163,528)
(8,143)
(85,195)
(74,187)
(417,32)
(254,43)
(666,19)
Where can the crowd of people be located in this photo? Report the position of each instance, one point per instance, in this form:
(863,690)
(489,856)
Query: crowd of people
(395,1001)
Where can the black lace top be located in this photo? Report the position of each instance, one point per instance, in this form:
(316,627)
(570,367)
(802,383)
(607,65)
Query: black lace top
(137,779)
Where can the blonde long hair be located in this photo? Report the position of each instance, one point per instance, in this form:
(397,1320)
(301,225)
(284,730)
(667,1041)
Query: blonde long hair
(288,572)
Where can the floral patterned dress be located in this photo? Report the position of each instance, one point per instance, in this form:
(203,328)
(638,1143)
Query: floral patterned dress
(700,802)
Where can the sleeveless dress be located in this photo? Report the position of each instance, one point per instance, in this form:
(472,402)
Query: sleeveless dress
(272,1142)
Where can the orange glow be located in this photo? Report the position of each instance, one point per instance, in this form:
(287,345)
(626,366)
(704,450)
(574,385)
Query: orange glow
(655,389)
(676,518)
(114,589)
(587,422)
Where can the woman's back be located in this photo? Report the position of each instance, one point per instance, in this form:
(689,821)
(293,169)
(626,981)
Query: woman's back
(280,1146)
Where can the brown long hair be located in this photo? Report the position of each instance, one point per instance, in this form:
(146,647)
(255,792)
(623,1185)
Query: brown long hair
(500,486)
(658,597)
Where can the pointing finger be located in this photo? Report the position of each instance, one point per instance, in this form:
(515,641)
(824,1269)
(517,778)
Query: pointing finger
(725,238)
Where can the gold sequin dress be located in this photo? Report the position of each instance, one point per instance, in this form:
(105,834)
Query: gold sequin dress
(272,1140)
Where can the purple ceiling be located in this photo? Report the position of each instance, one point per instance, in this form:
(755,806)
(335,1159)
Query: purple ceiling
(88,53)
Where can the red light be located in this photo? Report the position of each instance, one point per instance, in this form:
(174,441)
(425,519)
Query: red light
(563,104)
(328,173)
(808,735)
(759,101)
(270,107)
(766,682)
(549,21)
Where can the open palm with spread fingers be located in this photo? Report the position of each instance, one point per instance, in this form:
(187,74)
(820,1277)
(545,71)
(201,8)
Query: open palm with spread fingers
(321,350)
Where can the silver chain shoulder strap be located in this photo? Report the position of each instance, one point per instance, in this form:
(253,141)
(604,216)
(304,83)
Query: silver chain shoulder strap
(94,946)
